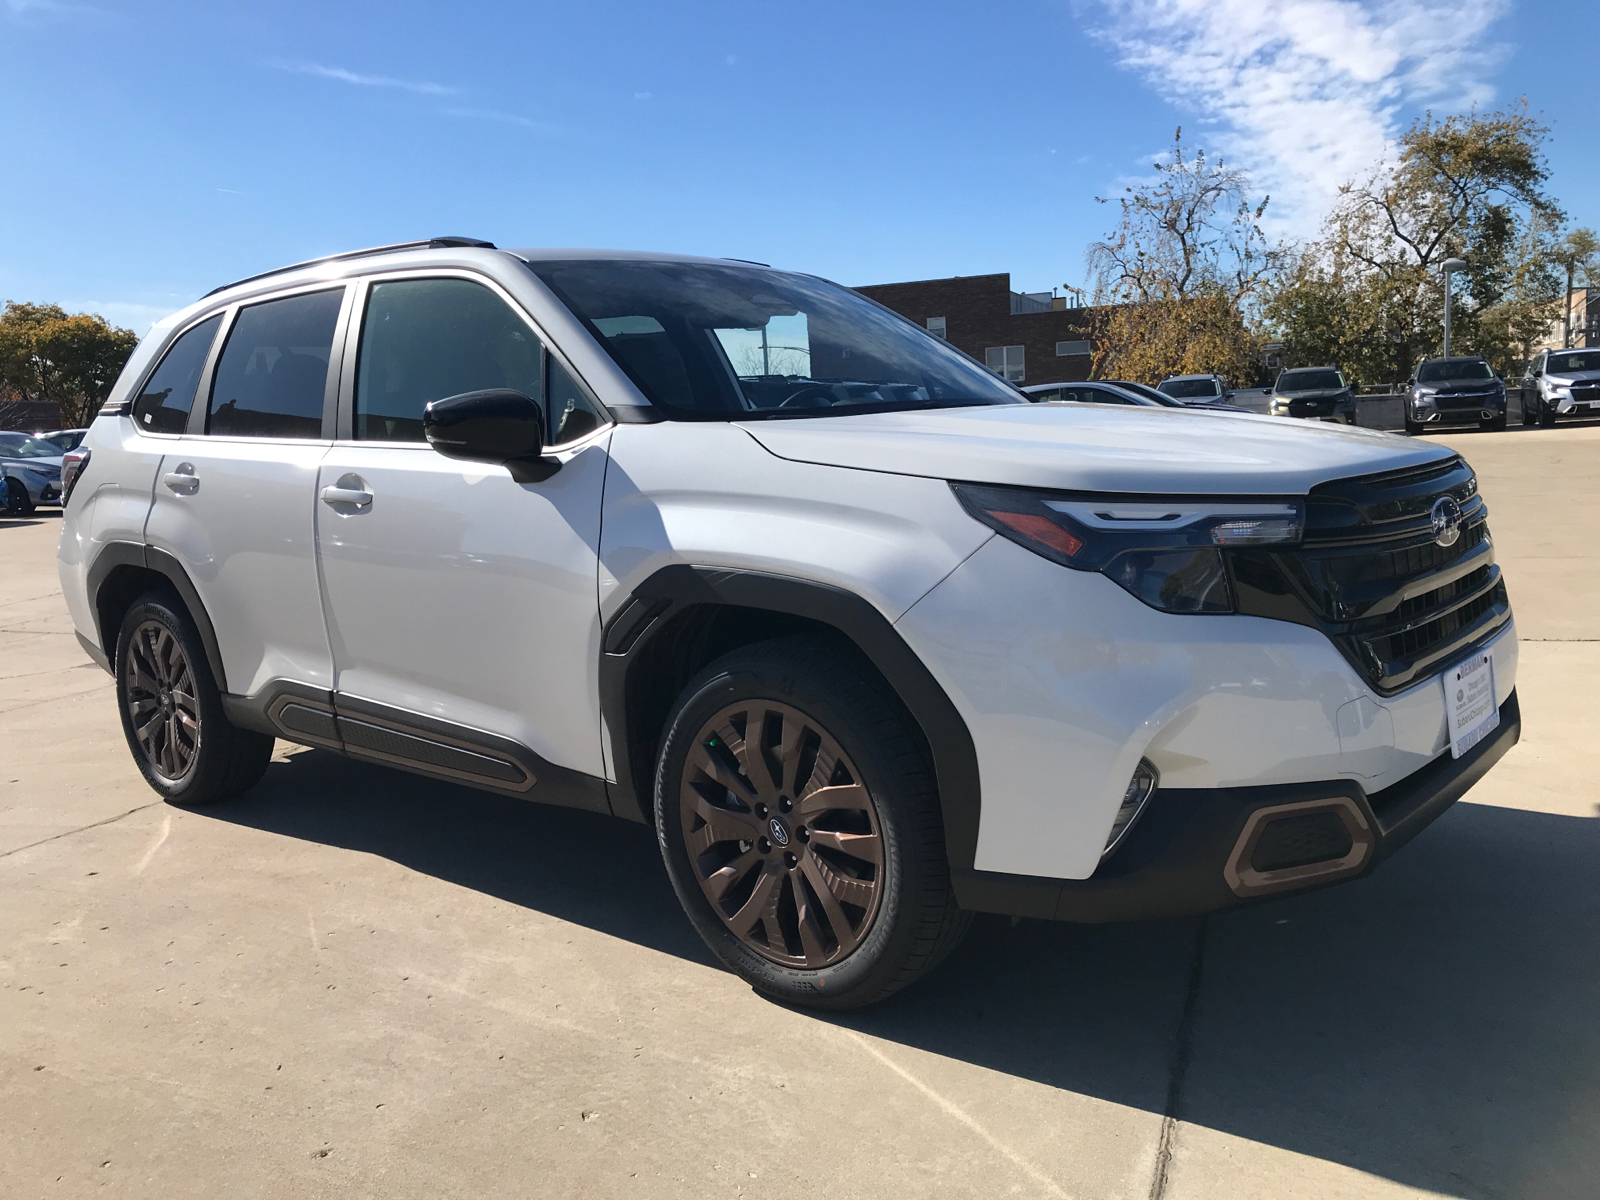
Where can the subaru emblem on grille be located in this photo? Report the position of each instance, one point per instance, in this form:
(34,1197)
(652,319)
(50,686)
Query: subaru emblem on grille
(1446,518)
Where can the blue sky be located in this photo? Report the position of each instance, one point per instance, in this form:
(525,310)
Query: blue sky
(156,151)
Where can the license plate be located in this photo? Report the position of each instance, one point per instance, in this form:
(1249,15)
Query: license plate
(1469,704)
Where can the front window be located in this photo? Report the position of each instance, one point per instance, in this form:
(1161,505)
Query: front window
(1453,368)
(1191,389)
(708,341)
(1309,381)
(20,445)
(1574,360)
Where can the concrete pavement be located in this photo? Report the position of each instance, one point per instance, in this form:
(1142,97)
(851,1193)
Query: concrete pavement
(355,982)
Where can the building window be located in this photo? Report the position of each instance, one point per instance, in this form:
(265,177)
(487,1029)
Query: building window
(1065,348)
(1005,361)
(936,326)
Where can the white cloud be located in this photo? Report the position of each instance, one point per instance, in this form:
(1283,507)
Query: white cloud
(503,118)
(421,87)
(1306,93)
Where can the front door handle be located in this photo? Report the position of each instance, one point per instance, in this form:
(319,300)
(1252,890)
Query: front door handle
(344,495)
(182,480)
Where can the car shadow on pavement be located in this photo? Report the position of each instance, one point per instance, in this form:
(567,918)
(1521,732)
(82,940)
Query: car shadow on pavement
(1437,1025)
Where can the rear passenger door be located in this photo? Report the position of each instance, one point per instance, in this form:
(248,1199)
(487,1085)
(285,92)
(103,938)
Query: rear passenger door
(236,492)
(454,593)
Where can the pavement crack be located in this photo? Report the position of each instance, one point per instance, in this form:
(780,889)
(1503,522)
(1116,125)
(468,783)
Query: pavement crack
(56,837)
(1181,1055)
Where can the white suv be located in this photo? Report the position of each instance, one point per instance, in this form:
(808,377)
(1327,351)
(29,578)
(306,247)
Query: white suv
(869,640)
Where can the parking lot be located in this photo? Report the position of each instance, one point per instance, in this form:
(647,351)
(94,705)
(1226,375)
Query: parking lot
(357,982)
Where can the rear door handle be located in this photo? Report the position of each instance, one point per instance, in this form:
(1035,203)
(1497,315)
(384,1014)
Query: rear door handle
(340,495)
(182,480)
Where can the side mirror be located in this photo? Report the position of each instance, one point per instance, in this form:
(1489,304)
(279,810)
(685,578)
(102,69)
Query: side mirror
(496,426)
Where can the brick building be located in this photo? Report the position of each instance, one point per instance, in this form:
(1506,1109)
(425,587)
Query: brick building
(1028,337)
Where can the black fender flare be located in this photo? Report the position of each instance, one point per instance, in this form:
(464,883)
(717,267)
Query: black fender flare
(134,554)
(649,609)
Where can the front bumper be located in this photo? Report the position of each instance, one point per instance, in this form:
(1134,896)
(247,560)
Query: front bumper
(1191,851)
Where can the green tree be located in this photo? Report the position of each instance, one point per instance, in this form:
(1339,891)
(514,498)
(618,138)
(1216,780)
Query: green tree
(1468,185)
(45,354)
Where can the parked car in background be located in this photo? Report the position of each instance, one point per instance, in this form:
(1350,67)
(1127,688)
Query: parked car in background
(1561,383)
(1313,393)
(1096,392)
(1195,389)
(32,470)
(65,439)
(1454,391)
(867,640)
(1161,398)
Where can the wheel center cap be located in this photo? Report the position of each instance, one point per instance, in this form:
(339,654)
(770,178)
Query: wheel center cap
(780,835)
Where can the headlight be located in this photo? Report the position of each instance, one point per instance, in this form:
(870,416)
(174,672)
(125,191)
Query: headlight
(1167,553)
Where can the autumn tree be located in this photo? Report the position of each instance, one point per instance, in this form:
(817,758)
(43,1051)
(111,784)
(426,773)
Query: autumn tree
(71,360)
(1179,275)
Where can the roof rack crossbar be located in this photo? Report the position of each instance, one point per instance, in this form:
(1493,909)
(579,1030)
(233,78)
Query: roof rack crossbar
(438,243)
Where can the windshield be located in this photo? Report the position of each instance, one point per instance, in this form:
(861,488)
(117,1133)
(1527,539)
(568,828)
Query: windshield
(1141,389)
(707,341)
(1453,368)
(1573,360)
(1191,389)
(1309,381)
(20,445)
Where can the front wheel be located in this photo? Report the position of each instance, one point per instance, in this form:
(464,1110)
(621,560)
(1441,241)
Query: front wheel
(1547,416)
(1497,424)
(801,829)
(18,502)
(172,715)
(1413,428)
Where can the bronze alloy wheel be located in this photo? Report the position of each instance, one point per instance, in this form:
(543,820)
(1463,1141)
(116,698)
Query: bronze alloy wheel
(161,701)
(782,835)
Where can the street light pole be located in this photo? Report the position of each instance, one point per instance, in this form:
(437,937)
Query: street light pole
(1450,266)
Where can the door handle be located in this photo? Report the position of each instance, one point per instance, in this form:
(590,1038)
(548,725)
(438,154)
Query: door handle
(341,495)
(182,480)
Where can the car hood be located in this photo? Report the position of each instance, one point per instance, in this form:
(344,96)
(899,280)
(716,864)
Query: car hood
(1095,448)
(1568,378)
(1468,385)
(1316,394)
(49,465)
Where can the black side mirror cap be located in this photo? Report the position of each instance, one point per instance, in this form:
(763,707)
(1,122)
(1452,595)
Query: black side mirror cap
(498,426)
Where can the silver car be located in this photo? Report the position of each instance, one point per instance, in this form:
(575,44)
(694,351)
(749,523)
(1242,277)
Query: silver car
(32,470)
(1561,383)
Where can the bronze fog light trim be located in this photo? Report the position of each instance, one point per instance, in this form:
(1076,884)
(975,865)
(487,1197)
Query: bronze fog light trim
(1245,880)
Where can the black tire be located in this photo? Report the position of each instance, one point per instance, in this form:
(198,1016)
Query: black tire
(1413,428)
(1528,410)
(1547,416)
(1497,424)
(184,744)
(18,502)
(913,922)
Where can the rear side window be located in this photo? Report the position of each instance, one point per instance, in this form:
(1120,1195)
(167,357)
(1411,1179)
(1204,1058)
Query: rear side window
(425,339)
(273,373)
(163,405)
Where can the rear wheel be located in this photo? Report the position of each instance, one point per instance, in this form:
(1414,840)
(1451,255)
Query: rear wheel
(801,828)
(172,716)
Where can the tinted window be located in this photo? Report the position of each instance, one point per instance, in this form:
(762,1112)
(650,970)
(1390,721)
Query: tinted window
(273,373)
(1191,389)
(1309,381)
(425,339)
(708,340)
(571,414)
(1453,368)
(164,403)
(1091,395)
(1575,360)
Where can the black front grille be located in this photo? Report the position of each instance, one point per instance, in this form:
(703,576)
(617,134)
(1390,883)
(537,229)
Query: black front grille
(1372,575)
(1460,400)
(1587,393)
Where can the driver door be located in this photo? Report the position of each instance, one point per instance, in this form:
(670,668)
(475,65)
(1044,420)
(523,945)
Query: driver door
(457,598)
